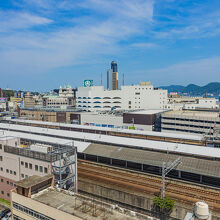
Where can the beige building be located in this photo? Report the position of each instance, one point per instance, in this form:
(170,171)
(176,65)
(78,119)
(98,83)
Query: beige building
(29,101)
(47,114)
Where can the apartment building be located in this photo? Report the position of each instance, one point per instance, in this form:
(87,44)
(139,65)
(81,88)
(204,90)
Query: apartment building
(143,96)
(17,163)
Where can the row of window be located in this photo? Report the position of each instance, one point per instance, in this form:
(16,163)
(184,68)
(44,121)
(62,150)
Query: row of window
(17,217)
(192,120)
(99,98)
(188,125)
(8,171)
(30,212)
(98,102)
(36,167)
(8,194)
(9,183)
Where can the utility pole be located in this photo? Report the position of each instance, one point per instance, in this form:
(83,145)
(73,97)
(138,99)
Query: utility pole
(166,170)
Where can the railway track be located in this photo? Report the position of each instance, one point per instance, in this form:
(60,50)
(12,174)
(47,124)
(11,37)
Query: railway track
(186,193)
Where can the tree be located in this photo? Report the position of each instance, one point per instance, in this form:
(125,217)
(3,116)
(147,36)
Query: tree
(163,205)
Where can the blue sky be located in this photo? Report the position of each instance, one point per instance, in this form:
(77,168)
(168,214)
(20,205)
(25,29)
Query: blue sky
(48,43)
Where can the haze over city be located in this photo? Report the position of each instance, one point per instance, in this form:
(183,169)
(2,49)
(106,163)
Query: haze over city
(44,44)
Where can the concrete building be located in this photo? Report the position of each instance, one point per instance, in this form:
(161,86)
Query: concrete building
(18,161)
(49,114)
(64,99)
(141,96)
(200,122)
(177,102)
(37,198)
(29,101)
(109,79)
(114,68)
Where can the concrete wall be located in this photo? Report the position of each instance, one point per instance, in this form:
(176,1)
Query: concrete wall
(143,201)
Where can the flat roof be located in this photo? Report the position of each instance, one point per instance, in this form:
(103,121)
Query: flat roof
(147,112)
(81,146)
(149,133)
(205,114)
(76,204)
(115,140)
(33,180)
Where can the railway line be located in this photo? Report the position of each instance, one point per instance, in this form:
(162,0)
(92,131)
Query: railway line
(186,193)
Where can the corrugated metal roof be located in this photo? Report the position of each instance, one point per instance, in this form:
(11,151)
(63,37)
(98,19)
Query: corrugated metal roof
(189,164)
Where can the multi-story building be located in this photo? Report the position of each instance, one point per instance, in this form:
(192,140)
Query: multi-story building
(200,122)
(29,101)
(177,102)
(17,162)
(64,99)
(143,96)
(114,69)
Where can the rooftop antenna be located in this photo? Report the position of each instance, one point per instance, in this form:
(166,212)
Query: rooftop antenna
(123,79)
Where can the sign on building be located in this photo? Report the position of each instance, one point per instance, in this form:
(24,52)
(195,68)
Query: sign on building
(88,83)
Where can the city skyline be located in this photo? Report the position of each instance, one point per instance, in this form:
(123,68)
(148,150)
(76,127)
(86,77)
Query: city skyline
(52,43)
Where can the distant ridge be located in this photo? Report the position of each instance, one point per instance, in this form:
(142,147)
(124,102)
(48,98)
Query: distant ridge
(192,89)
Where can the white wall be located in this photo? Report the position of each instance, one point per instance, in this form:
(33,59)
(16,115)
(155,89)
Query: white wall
(128,98)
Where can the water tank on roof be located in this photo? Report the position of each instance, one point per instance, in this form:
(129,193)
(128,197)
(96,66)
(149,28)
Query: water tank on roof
(201,210)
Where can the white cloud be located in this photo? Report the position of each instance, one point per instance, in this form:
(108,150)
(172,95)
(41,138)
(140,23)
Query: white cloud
(196,71)
(20,20)
(144,45)
(28,51)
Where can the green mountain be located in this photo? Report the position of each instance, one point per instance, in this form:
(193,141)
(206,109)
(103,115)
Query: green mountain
(192,89)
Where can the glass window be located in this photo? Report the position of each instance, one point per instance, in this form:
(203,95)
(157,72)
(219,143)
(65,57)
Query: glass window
(45,170)
(14,173)
(1,158)
(41,169)
(22,163)
(7,170)
(30,166)
(36,167)
(26,165)
(22,175)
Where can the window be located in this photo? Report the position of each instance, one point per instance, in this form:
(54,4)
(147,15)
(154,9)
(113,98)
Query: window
(11,184)
(26,165)
(1,168)
(7,170)
(22,163)
(7,182)
(10,171)
(41,169)
(2,192)
(36,167)
(14,173)
(0,146)
(26,176)
(45,170)
(30,166)
(8,194)
(2,180)
(22,175)
(1,158)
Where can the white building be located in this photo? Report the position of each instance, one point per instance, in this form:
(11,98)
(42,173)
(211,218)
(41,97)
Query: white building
(64,99)
(143,96)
